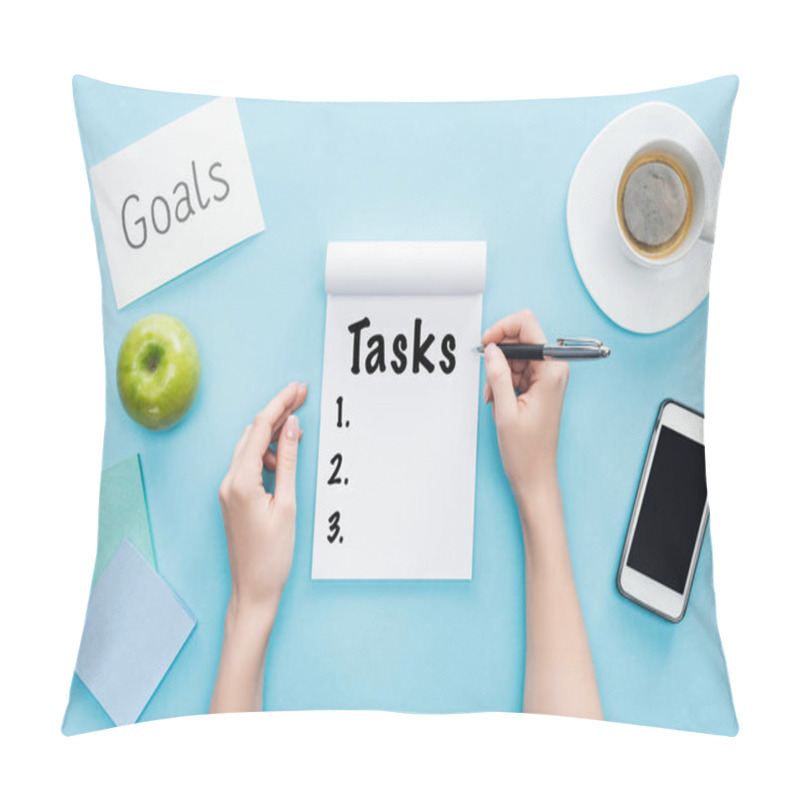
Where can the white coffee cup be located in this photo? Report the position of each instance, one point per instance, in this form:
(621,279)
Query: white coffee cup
(661,204)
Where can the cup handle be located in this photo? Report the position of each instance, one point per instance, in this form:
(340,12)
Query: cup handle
(707,234)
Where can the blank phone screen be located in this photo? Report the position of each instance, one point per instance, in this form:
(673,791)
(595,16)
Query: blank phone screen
(671,511)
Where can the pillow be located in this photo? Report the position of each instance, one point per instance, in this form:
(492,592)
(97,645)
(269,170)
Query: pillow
(330,481)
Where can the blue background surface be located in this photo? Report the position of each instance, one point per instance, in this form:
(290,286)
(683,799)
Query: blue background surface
(495,171)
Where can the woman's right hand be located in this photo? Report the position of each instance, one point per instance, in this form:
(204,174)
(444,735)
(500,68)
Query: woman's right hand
(526,397)
(559,671)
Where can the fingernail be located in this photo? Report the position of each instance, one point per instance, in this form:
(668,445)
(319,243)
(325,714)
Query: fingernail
(292,427)
(490,352)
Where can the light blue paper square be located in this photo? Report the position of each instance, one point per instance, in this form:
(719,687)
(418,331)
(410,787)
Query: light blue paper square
(135,627)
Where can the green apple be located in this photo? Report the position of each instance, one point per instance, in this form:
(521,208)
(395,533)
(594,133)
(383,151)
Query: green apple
(158,371)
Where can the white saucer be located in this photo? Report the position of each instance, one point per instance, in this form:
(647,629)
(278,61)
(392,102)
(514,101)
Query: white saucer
(641,298)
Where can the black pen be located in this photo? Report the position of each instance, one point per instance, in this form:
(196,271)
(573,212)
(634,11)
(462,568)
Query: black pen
(563,350)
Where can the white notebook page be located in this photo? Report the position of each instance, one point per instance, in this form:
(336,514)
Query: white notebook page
(399,410)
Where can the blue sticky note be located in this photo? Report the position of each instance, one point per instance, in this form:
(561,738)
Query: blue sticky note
(123,513)
(135,626)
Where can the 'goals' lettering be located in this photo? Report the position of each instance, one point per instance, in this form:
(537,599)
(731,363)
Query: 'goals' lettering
(159,214)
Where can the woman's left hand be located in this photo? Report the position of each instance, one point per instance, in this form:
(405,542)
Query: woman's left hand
(260,526)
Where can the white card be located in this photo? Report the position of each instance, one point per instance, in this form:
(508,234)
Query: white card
(175,198)
(398,430)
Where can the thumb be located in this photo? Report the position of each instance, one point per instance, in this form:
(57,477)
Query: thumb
(498,376)
(286,463)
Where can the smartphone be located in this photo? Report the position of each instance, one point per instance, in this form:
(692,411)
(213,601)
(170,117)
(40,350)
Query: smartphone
(669,515)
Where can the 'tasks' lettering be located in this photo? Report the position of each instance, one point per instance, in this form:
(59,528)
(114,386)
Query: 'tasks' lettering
(399,357)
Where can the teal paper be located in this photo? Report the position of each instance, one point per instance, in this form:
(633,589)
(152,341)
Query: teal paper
(497,172)
(123,513)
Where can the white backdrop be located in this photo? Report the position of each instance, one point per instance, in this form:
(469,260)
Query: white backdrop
(52,395)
